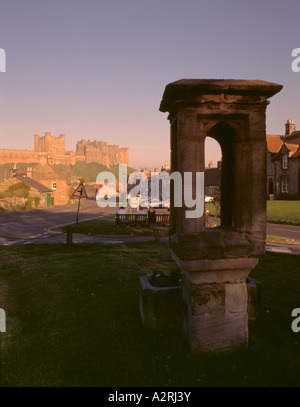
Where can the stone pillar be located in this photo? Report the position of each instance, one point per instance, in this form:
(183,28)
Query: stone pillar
(216,262)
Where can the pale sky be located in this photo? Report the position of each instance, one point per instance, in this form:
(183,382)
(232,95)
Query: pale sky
(97,69)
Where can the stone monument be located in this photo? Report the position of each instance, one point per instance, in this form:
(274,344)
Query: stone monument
(215,262)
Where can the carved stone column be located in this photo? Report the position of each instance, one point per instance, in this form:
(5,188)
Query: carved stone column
(215,262)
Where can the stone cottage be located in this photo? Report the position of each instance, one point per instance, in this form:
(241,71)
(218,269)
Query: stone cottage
(47,175)
(40,195)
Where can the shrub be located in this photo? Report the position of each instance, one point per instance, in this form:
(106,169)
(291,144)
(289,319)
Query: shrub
(20,189)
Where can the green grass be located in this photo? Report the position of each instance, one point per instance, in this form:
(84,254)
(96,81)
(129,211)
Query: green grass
(106,226)
(73,320)
(271,238)
(214,208)
(287,212)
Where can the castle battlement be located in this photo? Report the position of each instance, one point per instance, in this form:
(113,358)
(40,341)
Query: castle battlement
(89,151)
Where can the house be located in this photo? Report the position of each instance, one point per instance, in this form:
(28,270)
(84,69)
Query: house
(39,195)
(47,175)
(283,164)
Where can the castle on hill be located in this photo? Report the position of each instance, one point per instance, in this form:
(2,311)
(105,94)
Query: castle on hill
(54,147)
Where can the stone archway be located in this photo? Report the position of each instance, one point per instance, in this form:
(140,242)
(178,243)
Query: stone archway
(215,262)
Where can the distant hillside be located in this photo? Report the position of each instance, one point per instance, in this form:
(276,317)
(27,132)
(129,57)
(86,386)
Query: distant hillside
(81,169)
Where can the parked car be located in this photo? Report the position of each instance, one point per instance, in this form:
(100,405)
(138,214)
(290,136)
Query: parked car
(209,198)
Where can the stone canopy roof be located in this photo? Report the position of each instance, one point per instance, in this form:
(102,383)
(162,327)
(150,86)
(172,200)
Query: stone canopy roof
(184,89)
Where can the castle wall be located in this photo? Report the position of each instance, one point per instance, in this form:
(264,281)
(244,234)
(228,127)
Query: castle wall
(102,152)
(18,156)
(89,151)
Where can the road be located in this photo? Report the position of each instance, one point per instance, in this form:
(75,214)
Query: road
(35,223)
(33,226)
(284,231)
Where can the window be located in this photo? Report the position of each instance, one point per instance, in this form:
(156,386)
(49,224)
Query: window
(284,185)
(285,161)
(53,185)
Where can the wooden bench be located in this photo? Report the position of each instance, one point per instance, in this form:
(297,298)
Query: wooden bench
(136,219)
(162,219)
(132,219)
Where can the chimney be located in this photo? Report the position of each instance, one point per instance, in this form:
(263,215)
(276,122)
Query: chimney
(14,170)
(290,127)
(219,164)
(29,172)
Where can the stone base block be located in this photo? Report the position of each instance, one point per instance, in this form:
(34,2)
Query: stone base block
(217,332)
(215,316)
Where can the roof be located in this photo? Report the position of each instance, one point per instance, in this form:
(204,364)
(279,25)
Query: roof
(274,143)
(292,147)
(47,172)
(296,154)
(293,138)
(34,184)
(212,177)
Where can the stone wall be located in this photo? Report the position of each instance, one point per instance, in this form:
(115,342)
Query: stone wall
(61,193)
(18,156)
(89,151)
(102,152)
(13,202)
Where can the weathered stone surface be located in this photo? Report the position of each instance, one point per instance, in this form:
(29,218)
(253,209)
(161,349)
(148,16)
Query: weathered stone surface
(206,91)
(217,332)
(160,307)
(204,298)
(216,271)
(215,262)
(235,297)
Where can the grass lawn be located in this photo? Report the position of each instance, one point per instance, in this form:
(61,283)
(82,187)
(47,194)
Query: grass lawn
(73,320)
(106,226)
(287,212)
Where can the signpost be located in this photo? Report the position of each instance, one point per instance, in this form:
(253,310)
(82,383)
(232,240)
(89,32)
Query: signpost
(79,192)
